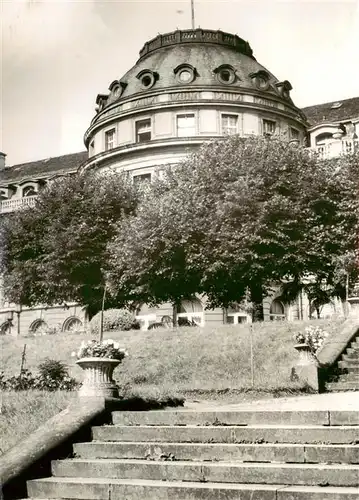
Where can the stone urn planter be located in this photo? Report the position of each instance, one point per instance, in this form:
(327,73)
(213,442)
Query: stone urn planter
(307,367)
(98,380)
(306,357)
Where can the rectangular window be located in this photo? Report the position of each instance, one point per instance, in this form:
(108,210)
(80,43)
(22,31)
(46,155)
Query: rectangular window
(186,125)
(110,139)
(268,127)
(142,178)
(229,124)
(143,130)
(294,134)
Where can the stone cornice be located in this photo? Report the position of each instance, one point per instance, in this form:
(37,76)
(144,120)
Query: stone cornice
(198,96)
(133,148)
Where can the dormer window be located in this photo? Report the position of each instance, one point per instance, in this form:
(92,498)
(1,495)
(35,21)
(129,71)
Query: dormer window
(101,101)
(147,78)
(284,88)
(260,80)
(226,74)
(116,88)
(185,73)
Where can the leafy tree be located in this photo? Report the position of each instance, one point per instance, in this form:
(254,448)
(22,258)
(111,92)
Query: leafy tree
(238,216)
(55,252)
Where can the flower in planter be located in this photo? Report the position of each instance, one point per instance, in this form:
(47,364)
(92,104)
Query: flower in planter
(100,349)
(313,336)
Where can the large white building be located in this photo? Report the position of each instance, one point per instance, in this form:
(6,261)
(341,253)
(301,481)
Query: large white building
(186,88)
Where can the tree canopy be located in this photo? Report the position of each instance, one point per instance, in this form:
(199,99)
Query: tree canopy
(239,216)
(56,251)
(231,221)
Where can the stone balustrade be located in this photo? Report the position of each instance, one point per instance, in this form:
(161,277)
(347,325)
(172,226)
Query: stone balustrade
(337,148)
(7,206)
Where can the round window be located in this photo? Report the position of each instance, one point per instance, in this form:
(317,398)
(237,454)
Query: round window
(147,80)
(226,76)
(185,76)
(262,83)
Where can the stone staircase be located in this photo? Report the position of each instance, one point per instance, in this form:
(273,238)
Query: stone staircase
(349,366)
(212,455)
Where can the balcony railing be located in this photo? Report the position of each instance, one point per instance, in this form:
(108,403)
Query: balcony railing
(337,148)
(17,203)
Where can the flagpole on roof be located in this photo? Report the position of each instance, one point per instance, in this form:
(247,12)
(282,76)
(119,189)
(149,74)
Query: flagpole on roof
(192,13)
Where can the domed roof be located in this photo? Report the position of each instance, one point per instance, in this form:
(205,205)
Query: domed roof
(194,58)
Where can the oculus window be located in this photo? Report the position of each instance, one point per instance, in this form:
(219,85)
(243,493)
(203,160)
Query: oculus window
(226,74)
(147,78)
(185,73)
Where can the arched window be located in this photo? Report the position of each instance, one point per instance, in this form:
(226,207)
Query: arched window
(321,138)
(37,327)
(28,191)
(5,328)
(276,311)
(190,312)
(72,324)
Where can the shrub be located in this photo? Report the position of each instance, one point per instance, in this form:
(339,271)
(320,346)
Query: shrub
(114,319)
(53,369)
(53,376)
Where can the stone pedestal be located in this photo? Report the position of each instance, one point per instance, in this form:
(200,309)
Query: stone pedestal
(306,369)
(354,307)
(98,380)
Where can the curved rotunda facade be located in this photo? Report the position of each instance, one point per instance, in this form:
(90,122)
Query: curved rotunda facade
(187,87)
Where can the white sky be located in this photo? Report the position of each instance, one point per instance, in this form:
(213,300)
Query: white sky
(58,55)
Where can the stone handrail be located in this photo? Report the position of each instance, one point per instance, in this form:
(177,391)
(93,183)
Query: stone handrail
(25,459)
(336,344)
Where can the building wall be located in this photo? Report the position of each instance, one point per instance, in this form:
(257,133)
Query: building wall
(22,319)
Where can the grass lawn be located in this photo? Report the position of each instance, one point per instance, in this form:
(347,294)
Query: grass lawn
(195,363)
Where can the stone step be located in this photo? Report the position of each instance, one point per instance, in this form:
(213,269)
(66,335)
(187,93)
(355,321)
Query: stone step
(217,472)
(350,377)
(344,386)
(351,366)
(293,453)
(240,418)
(229,434)
(352,353)
(350,361)
(134,489)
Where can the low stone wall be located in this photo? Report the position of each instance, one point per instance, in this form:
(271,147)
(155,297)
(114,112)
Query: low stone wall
(334,347)
(31,458)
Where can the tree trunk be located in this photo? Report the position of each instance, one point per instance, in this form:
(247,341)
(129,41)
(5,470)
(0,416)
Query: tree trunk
(256,290)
